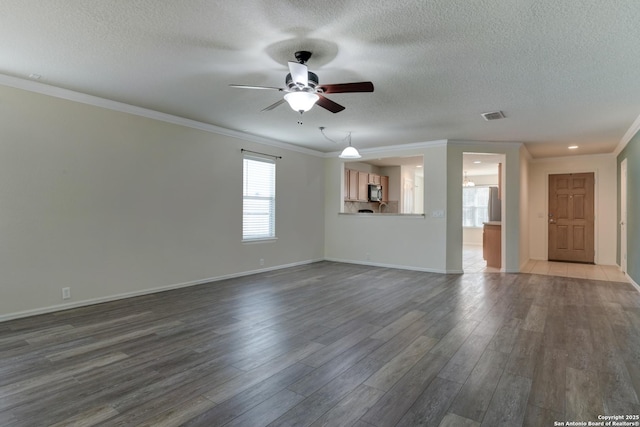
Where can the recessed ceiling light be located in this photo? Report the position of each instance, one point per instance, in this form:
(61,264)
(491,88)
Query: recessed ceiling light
(477,162)
(573,147)
(418,166)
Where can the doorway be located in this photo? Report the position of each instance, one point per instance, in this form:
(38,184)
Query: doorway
(480,181)
(571,217)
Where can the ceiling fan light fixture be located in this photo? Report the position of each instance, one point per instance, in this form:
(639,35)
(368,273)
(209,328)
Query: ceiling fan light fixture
(301,101)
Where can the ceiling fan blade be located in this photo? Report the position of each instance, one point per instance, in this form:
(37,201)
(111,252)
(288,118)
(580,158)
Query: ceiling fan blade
(299,73)
(258,87)
(347,87)
(328,104)
(274,105)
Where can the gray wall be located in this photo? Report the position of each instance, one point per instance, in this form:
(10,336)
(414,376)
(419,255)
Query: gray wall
(632,153)
(112,204)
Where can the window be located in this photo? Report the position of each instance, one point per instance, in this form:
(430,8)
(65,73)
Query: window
(475,206)
(258,198)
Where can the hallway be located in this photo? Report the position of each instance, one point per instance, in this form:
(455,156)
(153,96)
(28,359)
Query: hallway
(472,262)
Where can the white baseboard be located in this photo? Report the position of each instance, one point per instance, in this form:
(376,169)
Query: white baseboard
(399,267)
(93,301)
(632,282)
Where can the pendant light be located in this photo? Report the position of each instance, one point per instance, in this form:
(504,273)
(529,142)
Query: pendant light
(350,152)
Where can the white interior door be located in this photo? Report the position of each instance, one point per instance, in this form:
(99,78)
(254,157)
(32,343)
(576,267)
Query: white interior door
(623,215)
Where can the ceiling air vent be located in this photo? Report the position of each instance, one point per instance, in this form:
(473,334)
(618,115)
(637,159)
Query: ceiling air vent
(494,115)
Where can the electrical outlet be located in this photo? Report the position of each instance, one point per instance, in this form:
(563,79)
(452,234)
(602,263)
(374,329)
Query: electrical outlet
(437,214)
(66,293)
(261,261)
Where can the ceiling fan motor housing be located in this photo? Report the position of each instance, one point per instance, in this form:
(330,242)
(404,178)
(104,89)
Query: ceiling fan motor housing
(313,81)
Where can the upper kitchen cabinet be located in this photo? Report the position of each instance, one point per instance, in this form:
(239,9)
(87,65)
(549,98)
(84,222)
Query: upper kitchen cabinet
(356,185)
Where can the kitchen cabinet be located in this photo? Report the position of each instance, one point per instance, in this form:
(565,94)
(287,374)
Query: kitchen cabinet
(352,177)
(384,182)
(492,243)
(363,186)
(356,186)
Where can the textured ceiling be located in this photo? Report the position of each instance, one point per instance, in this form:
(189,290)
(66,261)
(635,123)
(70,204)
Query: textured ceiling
(563,72)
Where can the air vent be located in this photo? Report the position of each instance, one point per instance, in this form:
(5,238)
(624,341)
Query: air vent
(494,115)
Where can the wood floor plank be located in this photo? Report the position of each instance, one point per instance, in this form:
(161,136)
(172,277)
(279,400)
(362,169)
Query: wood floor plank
(88,418)
(178,414)
(314,406)
(453,420)
(393,328)
(450,343)
(580,349)
(239,404)
(583,395)
(474,397)
(431,407)
(350,408)
(525,354)
(339,344)
(267,411)
(394,404)
(250,378)
(509,402)
(505,337)
(540,417)
(549,380)
(392,371)
(332,350)
(311,382)
(535,319)
(464,360)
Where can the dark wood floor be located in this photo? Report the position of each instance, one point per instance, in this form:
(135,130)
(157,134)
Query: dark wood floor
(332,344)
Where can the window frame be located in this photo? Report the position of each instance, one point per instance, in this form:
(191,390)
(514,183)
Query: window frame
(475,207)
(270,198)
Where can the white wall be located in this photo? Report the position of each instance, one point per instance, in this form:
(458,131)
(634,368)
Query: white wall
(112,204)
(400,241)
(604,168)
(525,218)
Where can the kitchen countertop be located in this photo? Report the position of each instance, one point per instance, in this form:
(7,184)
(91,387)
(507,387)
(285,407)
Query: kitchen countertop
(382,214)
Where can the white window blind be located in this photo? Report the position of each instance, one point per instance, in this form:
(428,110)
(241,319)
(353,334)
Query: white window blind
(475,206)
(259,198)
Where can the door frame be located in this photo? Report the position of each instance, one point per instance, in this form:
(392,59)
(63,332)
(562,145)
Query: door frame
(623,215)
(596,219)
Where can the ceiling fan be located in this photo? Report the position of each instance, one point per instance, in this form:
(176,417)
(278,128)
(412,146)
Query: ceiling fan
(303,90)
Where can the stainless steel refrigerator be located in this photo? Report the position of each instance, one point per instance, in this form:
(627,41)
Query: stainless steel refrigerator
(495,205)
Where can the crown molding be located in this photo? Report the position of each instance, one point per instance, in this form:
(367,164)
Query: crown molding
(96,101)
(394,148)
(631,132)
(493,144)
(572,157)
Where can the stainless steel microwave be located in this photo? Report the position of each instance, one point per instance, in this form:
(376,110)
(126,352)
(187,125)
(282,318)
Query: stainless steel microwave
(375,193)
